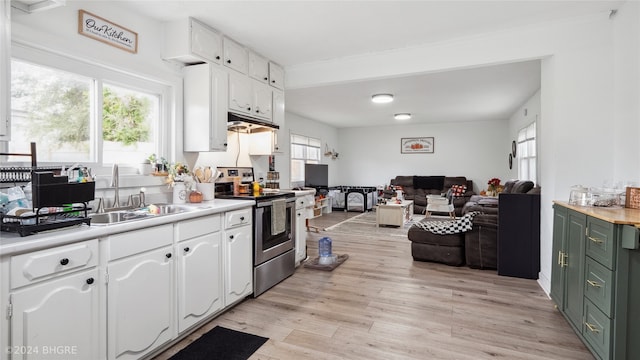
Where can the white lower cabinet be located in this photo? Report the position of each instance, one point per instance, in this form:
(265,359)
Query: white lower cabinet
(238,264)
(57,319)
(199,279)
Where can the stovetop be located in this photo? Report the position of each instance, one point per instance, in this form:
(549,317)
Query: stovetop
(262,197)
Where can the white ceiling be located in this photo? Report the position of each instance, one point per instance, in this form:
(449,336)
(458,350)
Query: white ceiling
(299,32)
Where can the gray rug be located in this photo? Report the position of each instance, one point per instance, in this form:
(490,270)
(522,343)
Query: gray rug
(365,224)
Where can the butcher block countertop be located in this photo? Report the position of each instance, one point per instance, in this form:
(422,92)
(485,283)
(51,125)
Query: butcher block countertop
(615,215)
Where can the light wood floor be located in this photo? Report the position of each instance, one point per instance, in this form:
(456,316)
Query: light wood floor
(380,304)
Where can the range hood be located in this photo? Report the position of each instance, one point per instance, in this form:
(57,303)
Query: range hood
(247,124)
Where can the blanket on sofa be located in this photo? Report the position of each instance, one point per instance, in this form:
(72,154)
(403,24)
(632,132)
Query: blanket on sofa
(447,227)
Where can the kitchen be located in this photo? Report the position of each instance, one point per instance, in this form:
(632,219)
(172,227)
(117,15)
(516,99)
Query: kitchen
(557,175)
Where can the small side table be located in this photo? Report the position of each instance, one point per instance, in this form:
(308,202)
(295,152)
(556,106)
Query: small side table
(437,203)
(394,214)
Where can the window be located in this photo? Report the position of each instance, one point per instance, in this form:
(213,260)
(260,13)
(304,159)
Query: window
(526,153)
(78,112)
(304,150)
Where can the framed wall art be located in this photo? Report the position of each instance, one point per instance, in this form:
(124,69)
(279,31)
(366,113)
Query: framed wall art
(103,30)
(417,145)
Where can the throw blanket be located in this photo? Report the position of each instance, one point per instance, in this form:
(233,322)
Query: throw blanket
(447,227)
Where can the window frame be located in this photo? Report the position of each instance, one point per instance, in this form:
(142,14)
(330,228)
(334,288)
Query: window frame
(306,159)
(525,159)
(101,74)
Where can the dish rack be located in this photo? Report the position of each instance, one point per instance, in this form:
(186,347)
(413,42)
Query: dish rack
(56,202)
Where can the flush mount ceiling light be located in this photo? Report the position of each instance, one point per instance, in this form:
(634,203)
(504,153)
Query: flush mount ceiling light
(402,116)
(382,98)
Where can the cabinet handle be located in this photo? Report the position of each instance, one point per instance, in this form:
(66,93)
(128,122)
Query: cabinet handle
(564,259)
(248,108)
(229,61)
(596,240)
(64,261)
(273,81)
(230,236)
(241,218)
(168,255)
(266,78)
(560,258)
(594,284)
(89,281)
(218,57)
(186,249)
(592,327)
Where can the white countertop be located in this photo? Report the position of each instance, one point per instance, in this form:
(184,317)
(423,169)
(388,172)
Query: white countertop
(11,243)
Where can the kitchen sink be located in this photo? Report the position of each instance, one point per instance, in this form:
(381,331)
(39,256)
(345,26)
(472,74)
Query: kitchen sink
(116,217)
(171,209)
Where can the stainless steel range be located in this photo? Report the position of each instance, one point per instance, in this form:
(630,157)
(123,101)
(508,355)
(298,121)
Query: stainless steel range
(273,235)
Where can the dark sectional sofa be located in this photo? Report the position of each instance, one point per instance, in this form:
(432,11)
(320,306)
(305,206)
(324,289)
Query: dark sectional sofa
(417,188)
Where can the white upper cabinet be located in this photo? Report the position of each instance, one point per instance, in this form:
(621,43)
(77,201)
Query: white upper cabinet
(258,67)
(240,99)
(276,75)
(236,56)
(5,69)
(262,101)
(191,42)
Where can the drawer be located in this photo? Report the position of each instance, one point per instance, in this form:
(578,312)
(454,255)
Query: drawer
(137,241)
(237,218)
(188,229)
(596,329)
(598,286)
(304,201)
(44,264)
(601,243)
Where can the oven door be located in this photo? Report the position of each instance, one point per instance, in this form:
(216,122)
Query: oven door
(268,245)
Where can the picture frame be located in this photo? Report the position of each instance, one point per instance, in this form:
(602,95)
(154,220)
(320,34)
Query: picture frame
(632,199)
(514,147)
(510,161)
(417,145)
(105,31)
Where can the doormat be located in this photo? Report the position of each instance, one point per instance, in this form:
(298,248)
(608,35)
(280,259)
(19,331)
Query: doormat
(221,343)
(314,264)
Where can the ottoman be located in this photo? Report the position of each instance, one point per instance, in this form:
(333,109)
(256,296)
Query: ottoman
(445,249)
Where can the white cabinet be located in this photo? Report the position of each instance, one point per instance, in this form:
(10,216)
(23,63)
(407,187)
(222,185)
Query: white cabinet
(276,75)
(278,118)
(258,67)
(236,56)
(56,301)
(248,96)
(199,258)
(140,292)
(191,42)
(205,108)
(238,255)
(304,211)
(5,70)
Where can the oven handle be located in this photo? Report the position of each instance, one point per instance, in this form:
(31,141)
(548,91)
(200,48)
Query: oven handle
(260,204)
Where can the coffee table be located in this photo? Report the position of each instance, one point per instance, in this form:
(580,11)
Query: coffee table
(394,214)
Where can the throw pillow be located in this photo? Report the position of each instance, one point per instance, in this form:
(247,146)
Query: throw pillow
(458,190)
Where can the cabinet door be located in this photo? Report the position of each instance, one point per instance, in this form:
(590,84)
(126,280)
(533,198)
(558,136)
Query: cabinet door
(5,69)
(262,101)
(236,56)
(276,76)
(238,263)
(199,279)
(301,234)
(205,42)
(240,97)
(558,255)
(574,268)
(140,303)
(205,108)
(64,311)
(258,67)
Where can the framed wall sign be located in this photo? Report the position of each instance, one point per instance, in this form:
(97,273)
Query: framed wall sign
(103,30)
(419,145)
(632,200)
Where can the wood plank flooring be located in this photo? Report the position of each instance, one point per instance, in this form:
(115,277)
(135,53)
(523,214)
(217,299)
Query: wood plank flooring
(380,304)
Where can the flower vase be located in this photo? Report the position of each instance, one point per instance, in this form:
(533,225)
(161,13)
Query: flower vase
(179,193)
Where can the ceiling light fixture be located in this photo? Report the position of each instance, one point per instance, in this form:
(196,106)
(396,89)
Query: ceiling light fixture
(402,116)
(382,98)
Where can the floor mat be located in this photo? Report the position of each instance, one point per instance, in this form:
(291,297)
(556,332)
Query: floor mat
(315,264)
(221,343)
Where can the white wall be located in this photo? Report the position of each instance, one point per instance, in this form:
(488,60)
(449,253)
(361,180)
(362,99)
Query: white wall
(478,150)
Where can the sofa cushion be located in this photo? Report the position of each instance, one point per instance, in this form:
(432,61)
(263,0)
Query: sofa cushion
(404,181)
(428,182)
(522,187)
(454,180)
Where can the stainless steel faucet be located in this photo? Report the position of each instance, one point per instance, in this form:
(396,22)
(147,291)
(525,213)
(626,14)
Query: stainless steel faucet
(116,185)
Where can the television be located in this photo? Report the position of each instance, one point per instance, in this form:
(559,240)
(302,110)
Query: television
(316,175)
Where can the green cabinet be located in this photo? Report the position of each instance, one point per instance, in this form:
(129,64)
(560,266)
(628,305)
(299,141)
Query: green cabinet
(594,279)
